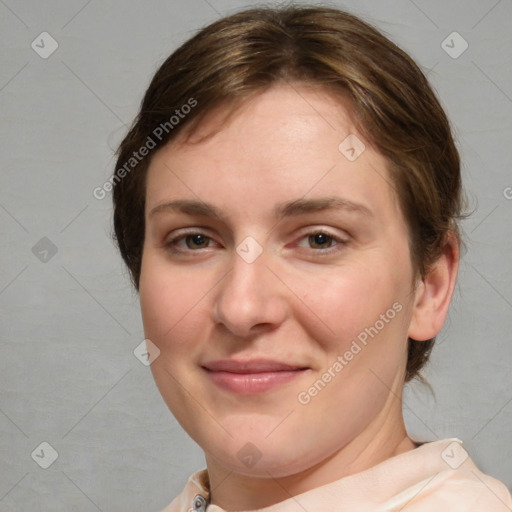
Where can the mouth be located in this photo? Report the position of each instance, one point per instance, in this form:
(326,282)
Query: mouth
(253,376)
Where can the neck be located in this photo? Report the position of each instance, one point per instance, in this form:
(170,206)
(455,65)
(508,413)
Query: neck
(385,437)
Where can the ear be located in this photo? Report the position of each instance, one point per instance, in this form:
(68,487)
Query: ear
(434,293)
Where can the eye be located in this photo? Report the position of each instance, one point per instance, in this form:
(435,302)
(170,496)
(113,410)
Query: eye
(197,241)
(186,242)
(322,242)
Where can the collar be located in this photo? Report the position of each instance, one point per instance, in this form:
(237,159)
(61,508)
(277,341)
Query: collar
(404,480)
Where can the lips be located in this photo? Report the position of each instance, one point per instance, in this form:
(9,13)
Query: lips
(252,366)
(251,376)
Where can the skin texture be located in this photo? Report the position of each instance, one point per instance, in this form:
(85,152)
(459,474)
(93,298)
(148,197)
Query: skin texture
(300,302)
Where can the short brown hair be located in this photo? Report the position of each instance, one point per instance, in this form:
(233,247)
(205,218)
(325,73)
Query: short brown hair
(248,52)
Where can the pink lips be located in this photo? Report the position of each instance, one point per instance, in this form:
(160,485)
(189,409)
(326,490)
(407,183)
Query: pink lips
(251,377)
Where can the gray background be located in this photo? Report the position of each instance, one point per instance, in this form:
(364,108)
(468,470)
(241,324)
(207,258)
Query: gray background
(70,321)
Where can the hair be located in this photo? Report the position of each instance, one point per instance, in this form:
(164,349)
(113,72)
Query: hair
(248,52)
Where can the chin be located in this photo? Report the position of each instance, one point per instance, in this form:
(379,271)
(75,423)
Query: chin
(264,465)
(264,458)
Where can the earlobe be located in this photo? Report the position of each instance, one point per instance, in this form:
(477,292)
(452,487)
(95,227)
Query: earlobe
(434,292)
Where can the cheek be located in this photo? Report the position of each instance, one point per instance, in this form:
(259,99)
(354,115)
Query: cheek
(362,317)
(343,302)
(170,303)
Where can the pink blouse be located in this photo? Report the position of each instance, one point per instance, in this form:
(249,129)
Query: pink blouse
(435,477)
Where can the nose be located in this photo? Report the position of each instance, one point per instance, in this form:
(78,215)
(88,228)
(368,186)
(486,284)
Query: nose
(250,298)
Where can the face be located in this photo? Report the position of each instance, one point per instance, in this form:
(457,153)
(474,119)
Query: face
(276,283)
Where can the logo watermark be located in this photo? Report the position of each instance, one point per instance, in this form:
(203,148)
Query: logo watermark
(357,345)
(151,141)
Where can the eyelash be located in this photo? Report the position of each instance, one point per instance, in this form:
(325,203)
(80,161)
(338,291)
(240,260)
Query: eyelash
(171,243)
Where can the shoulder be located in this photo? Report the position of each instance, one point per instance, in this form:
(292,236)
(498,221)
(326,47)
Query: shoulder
(454,483)
(472,490)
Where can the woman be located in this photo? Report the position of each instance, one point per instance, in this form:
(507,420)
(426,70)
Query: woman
(287,204)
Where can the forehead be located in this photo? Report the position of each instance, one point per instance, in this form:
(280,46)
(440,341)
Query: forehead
(288,142)
(276,108)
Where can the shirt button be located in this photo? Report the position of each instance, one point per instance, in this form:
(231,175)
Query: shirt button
(199,504)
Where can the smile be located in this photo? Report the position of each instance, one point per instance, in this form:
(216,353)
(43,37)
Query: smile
(251,377)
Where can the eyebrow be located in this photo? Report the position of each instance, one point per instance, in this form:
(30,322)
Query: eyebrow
(281,211)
